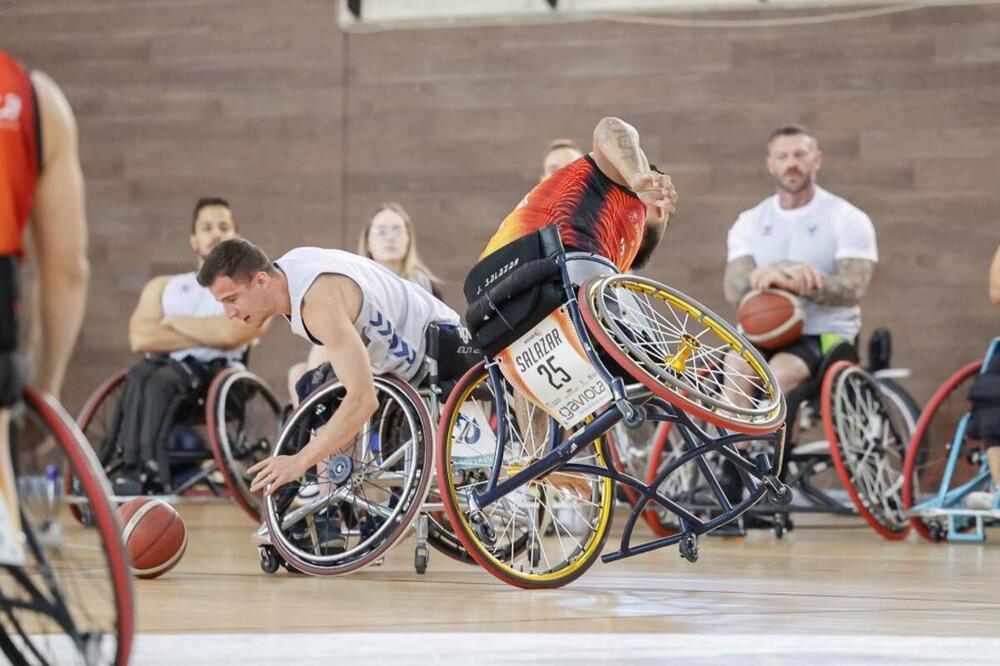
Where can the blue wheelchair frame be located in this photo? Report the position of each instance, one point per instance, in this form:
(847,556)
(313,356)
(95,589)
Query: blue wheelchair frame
(948,502)
(697,443)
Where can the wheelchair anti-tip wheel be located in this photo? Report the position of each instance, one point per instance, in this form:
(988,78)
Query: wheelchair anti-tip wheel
(677,348)
(543,534)
(346,512)
(243,423)
(867,446)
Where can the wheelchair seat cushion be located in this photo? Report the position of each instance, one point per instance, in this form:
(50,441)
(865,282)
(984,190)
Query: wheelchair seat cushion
(984,394)
(513,289)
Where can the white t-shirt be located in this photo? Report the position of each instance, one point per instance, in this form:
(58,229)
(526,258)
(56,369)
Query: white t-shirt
(823,231)
(184,296)
(394,315)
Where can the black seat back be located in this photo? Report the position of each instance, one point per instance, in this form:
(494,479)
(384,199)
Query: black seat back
(513,289)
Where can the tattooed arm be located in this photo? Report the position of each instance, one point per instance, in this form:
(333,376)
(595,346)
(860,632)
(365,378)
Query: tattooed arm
(736,282)
(847,286)
(617,152)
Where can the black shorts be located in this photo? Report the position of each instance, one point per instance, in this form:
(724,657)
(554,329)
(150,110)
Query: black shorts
(12,368)
(807,348)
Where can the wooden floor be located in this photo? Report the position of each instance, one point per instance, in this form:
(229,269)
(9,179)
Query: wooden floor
(839,579)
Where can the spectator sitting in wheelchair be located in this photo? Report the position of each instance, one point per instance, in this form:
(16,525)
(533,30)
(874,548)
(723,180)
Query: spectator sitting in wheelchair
(807,241)
(187,339)
(985,423)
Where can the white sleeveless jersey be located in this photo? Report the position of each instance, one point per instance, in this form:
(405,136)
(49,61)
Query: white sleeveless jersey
(184,296)
(394,315)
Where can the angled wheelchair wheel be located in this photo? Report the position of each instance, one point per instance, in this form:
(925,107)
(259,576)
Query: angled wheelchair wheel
(677,348)
(544,534)
(243,418)
(931,445)
(867,446)
(346,512)
(101,427)
(440,533)
(72,601)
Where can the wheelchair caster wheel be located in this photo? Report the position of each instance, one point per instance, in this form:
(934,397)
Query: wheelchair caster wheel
(484,531)
(420,558)
(780,525)
(783,498)
(269,561)
(689,547)
(938,532)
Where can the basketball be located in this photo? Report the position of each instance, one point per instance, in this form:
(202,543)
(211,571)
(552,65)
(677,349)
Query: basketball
(154,535)
(771,318)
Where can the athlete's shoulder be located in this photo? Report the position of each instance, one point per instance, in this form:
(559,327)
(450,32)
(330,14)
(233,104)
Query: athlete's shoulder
(752,216)
(843,210)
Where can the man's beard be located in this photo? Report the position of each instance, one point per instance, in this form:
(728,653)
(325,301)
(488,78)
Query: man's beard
(650,240)
(807,181)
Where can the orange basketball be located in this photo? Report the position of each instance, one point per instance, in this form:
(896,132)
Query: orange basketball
(771,318)
(154,535)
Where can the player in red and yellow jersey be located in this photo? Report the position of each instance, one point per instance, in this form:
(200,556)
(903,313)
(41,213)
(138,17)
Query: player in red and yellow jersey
(610,202)
(40,180)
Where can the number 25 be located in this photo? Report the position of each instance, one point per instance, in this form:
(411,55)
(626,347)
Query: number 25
(551,372)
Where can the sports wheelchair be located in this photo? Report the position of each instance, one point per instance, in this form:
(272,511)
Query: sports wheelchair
(71,599)
(946,461)
(532,498)
(861,419)
(217,435)
(346,513)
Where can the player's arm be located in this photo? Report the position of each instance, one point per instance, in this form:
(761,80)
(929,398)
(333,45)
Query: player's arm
(617,152)
(847,286)
(59,235)
(330,307)
(219,332)
(736,280)
(995,278)
(147,333)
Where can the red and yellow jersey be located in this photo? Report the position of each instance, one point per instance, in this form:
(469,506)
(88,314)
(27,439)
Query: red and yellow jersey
(20,148)
(593,213)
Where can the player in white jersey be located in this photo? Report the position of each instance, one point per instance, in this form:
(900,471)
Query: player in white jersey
(368,320)
(807,241)
(187,339)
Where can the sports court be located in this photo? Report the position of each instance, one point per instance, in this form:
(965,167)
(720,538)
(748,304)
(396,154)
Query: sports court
(529,331)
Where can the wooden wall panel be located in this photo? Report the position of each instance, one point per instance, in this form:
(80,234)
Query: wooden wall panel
(306,129)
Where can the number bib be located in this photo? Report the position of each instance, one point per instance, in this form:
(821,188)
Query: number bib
(550,367)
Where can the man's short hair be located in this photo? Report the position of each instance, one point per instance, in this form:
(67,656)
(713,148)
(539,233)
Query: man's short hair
(205,202)
(790,130)
(237,259)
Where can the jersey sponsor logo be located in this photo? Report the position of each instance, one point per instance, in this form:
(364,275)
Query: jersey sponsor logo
(767,230)
(10,112)
(812,228)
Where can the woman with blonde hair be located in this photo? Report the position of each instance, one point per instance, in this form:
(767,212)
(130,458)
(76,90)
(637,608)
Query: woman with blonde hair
(388,239)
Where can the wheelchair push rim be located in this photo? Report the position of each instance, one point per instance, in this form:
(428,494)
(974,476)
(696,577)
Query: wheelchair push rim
(71,567)
(234,456)
(416,454)
(924,438)
(525,511)
(866,448)
(686,364)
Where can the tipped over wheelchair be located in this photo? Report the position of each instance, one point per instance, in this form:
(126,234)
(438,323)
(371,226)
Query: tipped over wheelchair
(573,349)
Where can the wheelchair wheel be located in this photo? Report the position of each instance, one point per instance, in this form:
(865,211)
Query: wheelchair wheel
(904,404)
(101,427)
(677,348)
(641,454)
(542,535)
(242,419)
(72,601)
(867,446)
(440,533)
(345,513)
(931,444)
